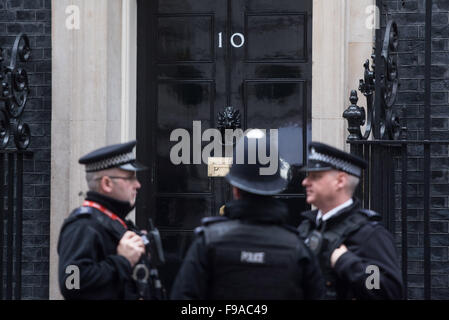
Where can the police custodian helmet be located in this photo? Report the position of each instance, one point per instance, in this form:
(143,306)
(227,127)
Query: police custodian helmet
(114,156)
(247,176)
(323,157)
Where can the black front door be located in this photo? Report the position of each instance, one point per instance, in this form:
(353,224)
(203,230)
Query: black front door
(196,57)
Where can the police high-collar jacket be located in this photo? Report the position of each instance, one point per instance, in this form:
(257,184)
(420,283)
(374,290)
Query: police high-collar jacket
(90,246)
(370,249)
(249,254)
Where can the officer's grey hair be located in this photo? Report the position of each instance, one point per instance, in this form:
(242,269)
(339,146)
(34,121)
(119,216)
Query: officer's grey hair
(94,178)
(353,182)
(92,181)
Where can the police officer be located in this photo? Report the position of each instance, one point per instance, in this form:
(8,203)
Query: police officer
(95,241)
(356,253)
(249,252)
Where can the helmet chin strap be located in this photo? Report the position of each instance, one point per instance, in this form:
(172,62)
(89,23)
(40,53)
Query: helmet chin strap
(236,193)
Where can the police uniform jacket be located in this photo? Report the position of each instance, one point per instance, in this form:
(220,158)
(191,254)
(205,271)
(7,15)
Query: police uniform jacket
(369,244)
(250,254)
(91,246)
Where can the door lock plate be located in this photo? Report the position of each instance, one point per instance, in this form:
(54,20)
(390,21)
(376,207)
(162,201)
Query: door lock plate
(218,166)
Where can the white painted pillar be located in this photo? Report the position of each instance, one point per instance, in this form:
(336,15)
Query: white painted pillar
(93,98)
(341,43)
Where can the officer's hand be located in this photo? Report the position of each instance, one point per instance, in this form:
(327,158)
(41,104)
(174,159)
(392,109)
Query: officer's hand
(337,254)
(131,247)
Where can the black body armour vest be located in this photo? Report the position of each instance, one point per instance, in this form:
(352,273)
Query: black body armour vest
(329,237)
(253,261)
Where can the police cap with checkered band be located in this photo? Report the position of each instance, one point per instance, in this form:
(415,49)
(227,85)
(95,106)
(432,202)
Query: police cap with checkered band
(323,157)
(114,156)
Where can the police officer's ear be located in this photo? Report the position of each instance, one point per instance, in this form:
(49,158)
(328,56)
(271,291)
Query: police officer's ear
(106,184)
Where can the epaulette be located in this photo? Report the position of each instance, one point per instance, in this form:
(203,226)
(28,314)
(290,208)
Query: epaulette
(82,211)
(372,215)
(78,213)
(208,221)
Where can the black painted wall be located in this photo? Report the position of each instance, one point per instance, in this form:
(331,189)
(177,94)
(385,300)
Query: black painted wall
(34,18)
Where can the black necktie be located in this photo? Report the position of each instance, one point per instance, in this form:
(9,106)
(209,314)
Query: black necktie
(319,223)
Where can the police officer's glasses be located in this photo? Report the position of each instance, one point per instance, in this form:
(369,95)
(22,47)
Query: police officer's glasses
(132,178)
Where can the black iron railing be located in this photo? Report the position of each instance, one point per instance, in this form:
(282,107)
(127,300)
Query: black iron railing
(14,90)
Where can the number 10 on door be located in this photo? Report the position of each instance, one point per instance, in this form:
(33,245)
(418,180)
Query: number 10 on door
(237,40)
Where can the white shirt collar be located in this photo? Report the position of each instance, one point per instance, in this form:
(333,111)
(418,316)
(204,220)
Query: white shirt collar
(332,212)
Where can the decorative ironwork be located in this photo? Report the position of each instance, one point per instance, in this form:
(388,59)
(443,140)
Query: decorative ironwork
(388,123)
(14,91)
(355,116)
(229,119)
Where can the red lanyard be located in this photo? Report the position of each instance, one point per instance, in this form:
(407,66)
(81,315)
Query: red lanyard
(105,211)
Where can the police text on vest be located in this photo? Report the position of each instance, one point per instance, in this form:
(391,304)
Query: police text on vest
(252,257)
